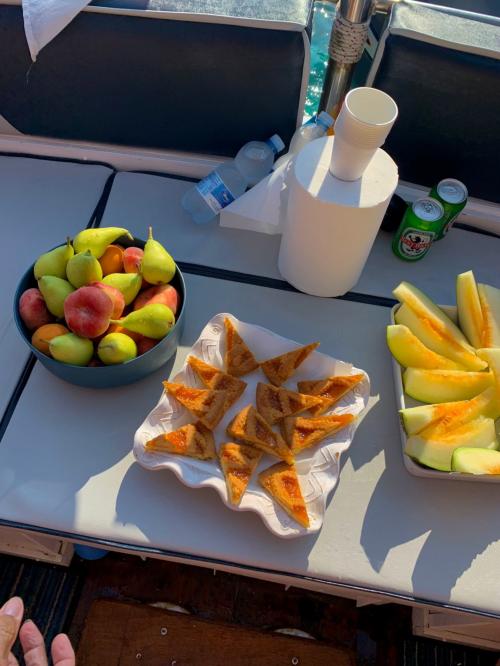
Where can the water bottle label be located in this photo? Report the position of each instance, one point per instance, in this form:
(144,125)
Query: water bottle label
(215,192)
(256,154)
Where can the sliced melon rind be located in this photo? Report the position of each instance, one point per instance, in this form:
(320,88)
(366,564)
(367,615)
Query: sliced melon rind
(434,340)
(470,314)
(470,460)
(416,419)
(410,352)
(425,308)
(437,452)
(432,386)
(489,298)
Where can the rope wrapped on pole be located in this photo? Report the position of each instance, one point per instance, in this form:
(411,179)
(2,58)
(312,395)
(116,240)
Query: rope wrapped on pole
(347,40)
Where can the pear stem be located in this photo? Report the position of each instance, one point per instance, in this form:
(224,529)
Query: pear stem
(150,233)
(115,321)
(68,241)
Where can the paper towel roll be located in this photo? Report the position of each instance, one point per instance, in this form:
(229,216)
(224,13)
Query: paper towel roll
(331,224)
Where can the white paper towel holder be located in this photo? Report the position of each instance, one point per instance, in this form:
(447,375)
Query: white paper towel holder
(331,224)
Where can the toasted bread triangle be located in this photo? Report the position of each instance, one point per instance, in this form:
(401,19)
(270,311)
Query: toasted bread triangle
(239,360)
(249,427)
(282,483)
(217,380)
(238,462)
(192,440)
(330,389)
(281,368)
(274,403)
(207,405)
(301,433)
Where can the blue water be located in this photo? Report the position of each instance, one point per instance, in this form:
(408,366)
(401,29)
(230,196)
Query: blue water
(324,13)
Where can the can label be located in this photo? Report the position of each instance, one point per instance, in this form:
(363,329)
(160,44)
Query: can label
(414,243)
(447,227)
(215,192)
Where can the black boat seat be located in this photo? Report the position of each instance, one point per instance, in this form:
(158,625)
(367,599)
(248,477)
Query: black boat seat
(442,67)
(166,75)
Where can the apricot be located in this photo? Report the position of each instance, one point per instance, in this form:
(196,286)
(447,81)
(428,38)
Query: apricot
(132,258)
(145,344)
(112,260)
(43,335)
(116,328)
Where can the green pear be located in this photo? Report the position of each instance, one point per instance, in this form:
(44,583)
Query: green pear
(54,291)
(83,268)
(157,265)
(116,348)
(97,240)
(54,262)
(153,321)
(128,283)
(70,348)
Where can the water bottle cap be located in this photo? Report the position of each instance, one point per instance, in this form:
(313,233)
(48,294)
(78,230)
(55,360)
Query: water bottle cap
(277,143)
(325,119)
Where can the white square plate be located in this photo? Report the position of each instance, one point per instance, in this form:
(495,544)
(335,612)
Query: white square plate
(318,468)
(403,401)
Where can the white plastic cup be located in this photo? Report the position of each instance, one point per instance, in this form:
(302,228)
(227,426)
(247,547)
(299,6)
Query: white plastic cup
(363,124)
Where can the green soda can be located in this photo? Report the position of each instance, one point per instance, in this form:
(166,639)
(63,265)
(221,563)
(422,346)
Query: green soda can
(452,194)
(418,229)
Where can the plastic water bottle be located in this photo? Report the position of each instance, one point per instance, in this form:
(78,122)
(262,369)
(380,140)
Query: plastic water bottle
(216,191)
(255,160)
(308,132)
(229,180)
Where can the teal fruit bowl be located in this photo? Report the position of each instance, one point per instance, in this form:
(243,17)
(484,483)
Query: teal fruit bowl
(110,375)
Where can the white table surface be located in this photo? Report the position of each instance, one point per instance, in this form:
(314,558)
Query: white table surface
(41,202)
(137,200)
(66,465)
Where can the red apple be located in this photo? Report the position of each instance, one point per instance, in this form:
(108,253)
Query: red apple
(132,258)
(163,293)
(87,311)
(115,295)
(33,310)
(145,344)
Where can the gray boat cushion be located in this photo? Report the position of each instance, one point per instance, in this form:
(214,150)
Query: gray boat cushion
(290,11)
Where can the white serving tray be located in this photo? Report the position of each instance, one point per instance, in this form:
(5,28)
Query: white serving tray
(318,468)
(403,401)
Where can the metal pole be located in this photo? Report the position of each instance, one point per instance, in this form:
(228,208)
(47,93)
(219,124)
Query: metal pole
(350,27)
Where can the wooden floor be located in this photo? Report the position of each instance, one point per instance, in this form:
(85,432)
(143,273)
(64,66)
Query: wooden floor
(122,612)
(369,632)
(121,634)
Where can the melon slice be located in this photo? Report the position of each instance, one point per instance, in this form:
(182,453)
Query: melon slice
(470,314)
(444,385)
(433,327)
(415,419)
(470,460)
(489,298)
(434,341)
(411,353)
(437,452)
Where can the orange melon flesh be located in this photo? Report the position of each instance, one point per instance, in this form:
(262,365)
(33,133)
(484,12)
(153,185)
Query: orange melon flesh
(416,419)
(437,452)
(469,460)
(489,298)
(470,314)
(444,385)
(436,340)
(410,352)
